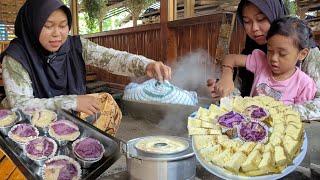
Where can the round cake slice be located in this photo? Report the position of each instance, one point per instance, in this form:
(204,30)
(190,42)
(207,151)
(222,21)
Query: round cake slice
(23,133)
(64,130)
(61,168)
(88,149)
(40,148)
(7,117)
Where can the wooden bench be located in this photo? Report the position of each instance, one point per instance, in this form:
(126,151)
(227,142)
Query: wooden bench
(8,170)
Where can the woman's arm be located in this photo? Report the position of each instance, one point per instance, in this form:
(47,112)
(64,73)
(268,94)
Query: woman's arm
(114,61)
(311,65)
(19,91)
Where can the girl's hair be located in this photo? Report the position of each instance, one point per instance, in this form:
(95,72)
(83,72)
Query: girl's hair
(294,28)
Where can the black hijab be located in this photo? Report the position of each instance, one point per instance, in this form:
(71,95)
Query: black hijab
(52,74)
(273,9)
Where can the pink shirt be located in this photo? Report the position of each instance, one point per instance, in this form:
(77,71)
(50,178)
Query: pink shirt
(294,90)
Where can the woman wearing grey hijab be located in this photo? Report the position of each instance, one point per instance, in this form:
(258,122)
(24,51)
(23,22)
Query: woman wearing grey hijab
(256,17)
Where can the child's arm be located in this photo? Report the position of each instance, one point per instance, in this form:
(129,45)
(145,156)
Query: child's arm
(225,85)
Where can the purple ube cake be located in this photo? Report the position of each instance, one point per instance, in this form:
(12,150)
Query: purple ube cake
(255,131)
(23,133)
(88,149)
(61,168)
(230,119)
(64,130)
(257,113)
(41,148)
(7,117)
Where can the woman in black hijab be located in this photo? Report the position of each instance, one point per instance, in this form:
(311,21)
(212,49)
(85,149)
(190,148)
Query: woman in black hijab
(44,67)
(266,12)
(256,17)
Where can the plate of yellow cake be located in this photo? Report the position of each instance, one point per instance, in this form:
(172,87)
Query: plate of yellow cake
(248,138)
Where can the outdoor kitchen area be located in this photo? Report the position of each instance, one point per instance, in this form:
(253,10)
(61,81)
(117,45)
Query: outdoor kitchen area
(159,89)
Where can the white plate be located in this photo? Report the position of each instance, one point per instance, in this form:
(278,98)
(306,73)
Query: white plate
(222,173)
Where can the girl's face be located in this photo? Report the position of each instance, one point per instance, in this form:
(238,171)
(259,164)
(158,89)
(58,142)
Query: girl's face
(255,23)
(283,55)
(54,33)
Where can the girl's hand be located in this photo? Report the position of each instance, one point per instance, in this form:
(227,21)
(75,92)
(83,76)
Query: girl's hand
(224,87)
(88,104)
(211,86)
(159,71)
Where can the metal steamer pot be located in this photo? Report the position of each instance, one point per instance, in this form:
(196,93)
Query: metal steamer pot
(144,165)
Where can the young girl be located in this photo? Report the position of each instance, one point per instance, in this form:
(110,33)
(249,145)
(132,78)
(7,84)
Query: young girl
(276,73)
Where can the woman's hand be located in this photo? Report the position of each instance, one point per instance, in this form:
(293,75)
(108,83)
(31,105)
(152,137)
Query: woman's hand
(88,104)
(159,71)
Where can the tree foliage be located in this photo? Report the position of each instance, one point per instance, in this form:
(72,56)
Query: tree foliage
(291,6)
(95,10)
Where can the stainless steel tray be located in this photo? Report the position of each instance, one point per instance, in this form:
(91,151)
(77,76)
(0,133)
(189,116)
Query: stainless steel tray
(32,171)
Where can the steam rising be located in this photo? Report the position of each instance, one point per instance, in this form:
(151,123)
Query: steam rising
(190,73)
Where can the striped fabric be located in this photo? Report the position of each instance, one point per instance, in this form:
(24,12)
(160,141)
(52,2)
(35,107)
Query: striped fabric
(154,91)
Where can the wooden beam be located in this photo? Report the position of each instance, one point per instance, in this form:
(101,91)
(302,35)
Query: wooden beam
(189,8)
(172,10)
(75,18)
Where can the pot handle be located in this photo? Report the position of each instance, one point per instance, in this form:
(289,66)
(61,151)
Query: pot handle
(123,147)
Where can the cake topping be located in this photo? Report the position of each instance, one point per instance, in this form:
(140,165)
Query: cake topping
(256,112)
(64,127)
(255,131)
(5,113)
(230,119)
(67,171)
(41,147)
(62,168)
(24,130)
(88,148)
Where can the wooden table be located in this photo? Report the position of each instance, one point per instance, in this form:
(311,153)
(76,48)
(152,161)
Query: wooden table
(8,170)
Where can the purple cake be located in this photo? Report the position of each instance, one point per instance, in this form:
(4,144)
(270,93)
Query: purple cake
(88,149)
(256,113)
(61,168)
(230,119)
(41,148)
(255,131)
(64,130)
(22,133)
(7,117)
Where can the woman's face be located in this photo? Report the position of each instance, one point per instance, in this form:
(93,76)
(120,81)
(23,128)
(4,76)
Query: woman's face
(255,23)
(54,33)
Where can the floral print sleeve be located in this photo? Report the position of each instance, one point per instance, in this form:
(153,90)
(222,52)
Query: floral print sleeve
(19,91)
(311,66)
(114,61)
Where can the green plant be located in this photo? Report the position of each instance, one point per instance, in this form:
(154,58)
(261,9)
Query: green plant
(95,10)
(291,6)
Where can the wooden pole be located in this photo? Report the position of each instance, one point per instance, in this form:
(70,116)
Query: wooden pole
(75,18)
(168,38)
